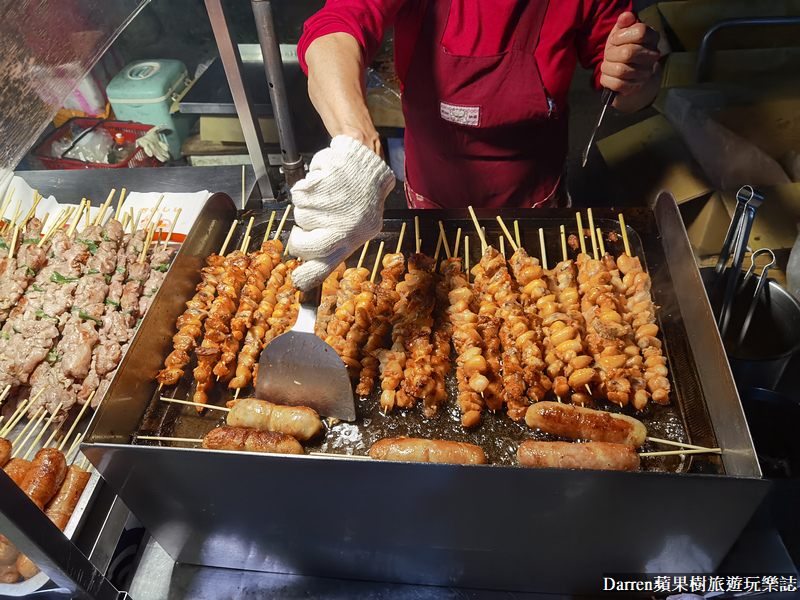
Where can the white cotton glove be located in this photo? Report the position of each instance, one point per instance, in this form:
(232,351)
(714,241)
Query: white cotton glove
(152,144)
(337,207)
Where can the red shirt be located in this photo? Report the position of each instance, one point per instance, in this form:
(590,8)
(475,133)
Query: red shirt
(572,30)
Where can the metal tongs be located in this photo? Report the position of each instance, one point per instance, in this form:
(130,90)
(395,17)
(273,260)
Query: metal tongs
(759,288)
(747,201)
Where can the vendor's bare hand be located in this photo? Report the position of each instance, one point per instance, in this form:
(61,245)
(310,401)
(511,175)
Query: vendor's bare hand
(631,56)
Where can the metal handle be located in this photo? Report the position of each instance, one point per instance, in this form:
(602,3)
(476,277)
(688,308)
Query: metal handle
(702,53)
(307,312)
(759,289)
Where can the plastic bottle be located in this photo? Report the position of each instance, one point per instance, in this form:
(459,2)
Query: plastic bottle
(793,268)
(122,149)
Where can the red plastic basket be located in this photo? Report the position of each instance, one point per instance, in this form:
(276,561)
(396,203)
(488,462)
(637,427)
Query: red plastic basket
(73,128)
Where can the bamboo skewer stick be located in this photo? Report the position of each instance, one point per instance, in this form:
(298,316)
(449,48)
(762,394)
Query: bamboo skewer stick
(56,225)
(418,242)
(17,213)
(101,213)
(155,210)
(172,228)
(148,240)
(125,218)
(400,239)
(458,241)
(44,222)
(75,446)
(544,252)
(37,420)
(503,247)
(41,433)
(248,230)
(6,203)
(580,232)
(228,238)
(564,254)
(119,204)
(243,198)
(444,239)
(592,234)
(13,243)
(377,263)
(624,230)
(75,422)
(133,221)
(269,227)
(511,241)
(283,222)
(27,426)
(157,438)
(466,256)
(77,219)
(438,247)
(36,199)
(363,254)
(87,218)
(478,228)
(189,403)
(676,452)
(517,237)
(16,416)
(678,444)
(600,242)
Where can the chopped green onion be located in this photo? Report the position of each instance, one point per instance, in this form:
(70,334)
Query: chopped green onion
(108,277)
(92,246)
(120,270)
(42,315)
(88,317)
(134,279)
(57,277)
(3,244)
(29,272)
(30,241)
(111,302)
(36,288)
(162,267)
(4,335)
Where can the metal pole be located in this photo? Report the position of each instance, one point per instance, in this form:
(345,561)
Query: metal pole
(232,62)
(273,65)
(39,539)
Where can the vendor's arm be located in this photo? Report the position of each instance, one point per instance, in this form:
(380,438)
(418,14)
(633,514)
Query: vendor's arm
(630,64)
(337,89)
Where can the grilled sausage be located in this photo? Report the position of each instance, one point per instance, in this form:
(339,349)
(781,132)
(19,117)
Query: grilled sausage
(9,574)
(46,474)
(5,452)
(8,553)
(17,469)
(300,422)
(422,450)
(567,455)
(59,511)
(579,423)
(251,440)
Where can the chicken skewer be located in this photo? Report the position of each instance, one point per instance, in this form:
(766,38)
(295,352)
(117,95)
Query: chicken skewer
(190,322)
(392,361)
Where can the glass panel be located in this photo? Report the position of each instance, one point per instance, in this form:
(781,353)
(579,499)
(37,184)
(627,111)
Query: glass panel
(46,48)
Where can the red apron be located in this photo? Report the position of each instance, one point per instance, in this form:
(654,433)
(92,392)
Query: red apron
(480,130)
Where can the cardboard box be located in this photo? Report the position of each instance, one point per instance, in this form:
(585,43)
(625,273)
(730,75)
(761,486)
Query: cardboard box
(228,130)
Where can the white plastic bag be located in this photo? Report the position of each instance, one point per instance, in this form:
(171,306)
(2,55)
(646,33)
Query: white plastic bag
(793,268)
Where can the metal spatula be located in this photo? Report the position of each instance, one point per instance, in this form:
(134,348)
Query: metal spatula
(299,369)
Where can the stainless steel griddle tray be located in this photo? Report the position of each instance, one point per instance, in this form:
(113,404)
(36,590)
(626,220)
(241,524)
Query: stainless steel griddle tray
(685,418)
(435,524)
